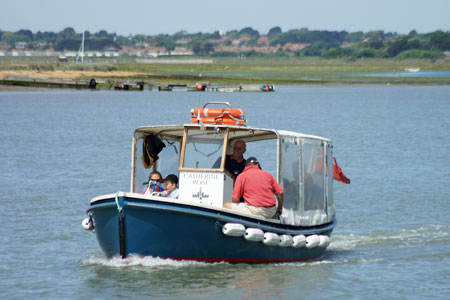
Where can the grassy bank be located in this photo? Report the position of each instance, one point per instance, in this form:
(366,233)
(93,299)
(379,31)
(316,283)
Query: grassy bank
(231,70)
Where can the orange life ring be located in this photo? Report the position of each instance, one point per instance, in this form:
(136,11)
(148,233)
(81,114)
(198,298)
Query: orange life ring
(219,121)
(217,112)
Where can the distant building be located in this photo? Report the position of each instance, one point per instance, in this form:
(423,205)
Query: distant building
(38,45)
(236,49)
(184,41)
(181,51)
(155,51)
(294,46)
(4,47)
(21,45)
(222,48)
(241,41)
(263,40)
(141,45)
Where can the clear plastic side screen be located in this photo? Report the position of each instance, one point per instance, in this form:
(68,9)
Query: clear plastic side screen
(290,172)
(169,158)
(313,175)
(330,197)
(167,163)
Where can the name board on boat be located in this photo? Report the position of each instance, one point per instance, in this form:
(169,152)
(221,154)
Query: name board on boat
(211,188)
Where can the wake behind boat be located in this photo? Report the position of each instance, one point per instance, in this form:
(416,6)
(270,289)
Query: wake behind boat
(196,226)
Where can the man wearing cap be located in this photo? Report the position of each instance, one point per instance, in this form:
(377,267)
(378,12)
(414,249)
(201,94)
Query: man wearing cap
(258,188)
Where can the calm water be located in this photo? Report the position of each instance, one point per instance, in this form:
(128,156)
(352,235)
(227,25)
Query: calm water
(59,149)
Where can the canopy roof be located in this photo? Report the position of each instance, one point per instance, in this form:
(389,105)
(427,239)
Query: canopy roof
(236,132)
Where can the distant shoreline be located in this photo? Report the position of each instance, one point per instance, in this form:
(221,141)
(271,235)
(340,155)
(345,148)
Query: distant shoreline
(17,88)
(24,74)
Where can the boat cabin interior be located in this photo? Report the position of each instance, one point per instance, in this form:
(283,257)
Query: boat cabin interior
(196,154)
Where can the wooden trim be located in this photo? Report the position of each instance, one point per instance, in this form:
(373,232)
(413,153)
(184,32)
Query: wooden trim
(201,170)
(183,149)
(134,158)
(224,150)
(229,175)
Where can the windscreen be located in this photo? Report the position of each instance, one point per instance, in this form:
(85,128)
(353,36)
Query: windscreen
(204,149)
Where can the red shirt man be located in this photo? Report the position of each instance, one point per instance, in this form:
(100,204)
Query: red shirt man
(258,188)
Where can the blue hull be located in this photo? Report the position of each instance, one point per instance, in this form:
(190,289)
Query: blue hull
(188,232)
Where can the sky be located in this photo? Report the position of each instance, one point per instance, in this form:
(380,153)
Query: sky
(150,17)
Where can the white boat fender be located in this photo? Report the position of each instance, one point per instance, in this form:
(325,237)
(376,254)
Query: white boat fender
(271,239)
(87,224)
(299,241)
(254,234)
(233,229)
(286,240)
(324,241)
(312,241)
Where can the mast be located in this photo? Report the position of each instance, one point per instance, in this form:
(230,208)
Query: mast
(81,51)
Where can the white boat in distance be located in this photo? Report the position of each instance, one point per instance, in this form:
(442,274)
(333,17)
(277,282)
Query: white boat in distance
(412,70)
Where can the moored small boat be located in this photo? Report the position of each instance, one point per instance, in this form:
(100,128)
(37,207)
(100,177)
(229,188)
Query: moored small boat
(412,70)
(267,88)
(196,226)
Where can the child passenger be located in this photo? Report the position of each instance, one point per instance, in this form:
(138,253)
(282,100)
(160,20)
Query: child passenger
(170,182)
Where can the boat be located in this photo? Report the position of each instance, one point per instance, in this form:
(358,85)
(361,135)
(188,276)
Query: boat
(412,70)
(129,86)
(195,226)
(198,87)
(267,88)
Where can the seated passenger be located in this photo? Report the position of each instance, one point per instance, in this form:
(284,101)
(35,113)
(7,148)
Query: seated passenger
(235,162)
(170,182)
(258,188)
(154,183)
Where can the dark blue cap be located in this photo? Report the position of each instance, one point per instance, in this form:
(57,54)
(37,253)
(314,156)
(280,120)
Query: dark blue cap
(251,160)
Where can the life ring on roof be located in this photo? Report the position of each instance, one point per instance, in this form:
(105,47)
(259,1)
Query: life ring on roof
(218,121)
(217,112)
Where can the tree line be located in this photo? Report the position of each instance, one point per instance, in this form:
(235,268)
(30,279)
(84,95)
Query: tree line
(323,43)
